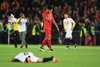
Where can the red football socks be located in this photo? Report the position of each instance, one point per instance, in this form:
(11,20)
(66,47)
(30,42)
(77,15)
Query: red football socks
(49,43)
(43,43)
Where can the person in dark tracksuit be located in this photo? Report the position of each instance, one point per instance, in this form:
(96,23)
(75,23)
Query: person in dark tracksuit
(91,33)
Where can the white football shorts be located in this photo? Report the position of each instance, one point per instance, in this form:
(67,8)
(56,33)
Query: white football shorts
(68,34)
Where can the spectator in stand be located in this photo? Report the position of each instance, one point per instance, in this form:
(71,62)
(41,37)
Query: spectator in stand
(79,10)
(97,15)
(87,23)
(91,33)
(4,6)
(97,25)
(15,4)
(83,34)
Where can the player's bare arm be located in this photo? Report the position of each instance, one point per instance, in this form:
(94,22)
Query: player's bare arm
(65,28)
(11,22)
(48,18)
(55,24)
(72,28)
(14,60)
(73,25)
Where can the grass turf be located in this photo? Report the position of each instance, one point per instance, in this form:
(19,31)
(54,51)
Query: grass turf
(83,56)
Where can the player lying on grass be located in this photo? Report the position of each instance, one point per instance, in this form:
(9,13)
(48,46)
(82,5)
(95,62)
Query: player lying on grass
(28,57)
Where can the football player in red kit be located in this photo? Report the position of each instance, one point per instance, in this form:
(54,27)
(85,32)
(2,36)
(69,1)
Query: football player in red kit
(48,20)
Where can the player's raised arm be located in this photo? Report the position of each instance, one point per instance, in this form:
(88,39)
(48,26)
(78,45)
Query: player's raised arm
(55,24)
(48,17)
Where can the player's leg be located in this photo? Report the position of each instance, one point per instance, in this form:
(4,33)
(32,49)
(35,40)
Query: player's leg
(14,60)
(23,39)
(67,36)
(72,40)
(67,42)
(20,34)
(49,44)
(46,59)
(17,36)
(15,39)
(44,41)
(49,40)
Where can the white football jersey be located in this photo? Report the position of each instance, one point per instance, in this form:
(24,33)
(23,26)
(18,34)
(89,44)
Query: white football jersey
(22,56)
(68,23)
(22,25)
(12,19)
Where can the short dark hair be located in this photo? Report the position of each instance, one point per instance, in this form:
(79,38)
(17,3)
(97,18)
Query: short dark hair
(27,59)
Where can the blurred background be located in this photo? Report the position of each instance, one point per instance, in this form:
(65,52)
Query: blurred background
(86,14)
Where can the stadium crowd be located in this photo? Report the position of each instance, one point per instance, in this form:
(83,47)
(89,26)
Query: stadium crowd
(82,11)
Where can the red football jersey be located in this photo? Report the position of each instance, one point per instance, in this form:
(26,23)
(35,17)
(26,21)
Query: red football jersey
(47,24)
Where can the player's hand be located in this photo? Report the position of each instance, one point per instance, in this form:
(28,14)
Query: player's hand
(50,11)
(72,28)
(58,29)
(65,30)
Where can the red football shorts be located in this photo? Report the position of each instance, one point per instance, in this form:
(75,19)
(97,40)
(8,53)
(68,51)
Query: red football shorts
(47,33)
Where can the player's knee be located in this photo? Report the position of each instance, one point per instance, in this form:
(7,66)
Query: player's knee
(40,60)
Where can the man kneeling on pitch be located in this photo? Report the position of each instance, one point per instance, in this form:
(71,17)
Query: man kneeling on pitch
(28,57)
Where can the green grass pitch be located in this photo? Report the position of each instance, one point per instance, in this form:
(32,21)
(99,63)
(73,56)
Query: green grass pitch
(83,56)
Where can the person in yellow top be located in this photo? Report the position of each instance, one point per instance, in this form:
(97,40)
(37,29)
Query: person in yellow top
(14,22)
(69,25)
